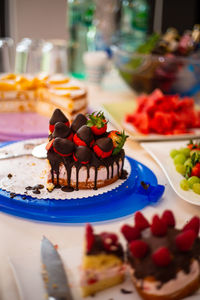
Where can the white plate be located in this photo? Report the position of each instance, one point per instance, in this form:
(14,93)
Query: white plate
(137,136)
(161,153)
(27,271)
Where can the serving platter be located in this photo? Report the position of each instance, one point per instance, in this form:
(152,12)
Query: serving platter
(116,113)
(160,151)
(127,198)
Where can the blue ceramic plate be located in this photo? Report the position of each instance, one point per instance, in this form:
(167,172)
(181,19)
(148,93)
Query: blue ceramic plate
(120,202)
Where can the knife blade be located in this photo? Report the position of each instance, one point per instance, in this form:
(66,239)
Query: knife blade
(53,274)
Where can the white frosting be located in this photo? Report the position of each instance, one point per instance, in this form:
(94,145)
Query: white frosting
(182,279)
(100,274)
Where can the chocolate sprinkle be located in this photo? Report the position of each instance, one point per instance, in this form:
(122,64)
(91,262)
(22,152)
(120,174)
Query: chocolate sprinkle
(145,185)
(123,291)
(12,195)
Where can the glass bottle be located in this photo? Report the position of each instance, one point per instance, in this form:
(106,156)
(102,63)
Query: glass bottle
(80,28)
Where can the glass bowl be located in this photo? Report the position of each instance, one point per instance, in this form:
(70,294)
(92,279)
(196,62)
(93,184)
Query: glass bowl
(172,74)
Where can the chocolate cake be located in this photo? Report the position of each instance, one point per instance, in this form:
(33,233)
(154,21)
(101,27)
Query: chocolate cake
(83,155)
(164,261)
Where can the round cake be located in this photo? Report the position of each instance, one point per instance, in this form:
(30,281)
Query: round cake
(164,262)
(83,155)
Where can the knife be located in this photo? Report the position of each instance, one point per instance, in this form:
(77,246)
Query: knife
(53,273)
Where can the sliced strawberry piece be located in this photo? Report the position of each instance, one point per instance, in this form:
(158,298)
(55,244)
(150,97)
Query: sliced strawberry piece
(140,221)
(158,227)
(162,257)
(168,218)
(185,240)
(97,122)
(130,233)
(193,224)
(49,145)
(138,248)
(89,235)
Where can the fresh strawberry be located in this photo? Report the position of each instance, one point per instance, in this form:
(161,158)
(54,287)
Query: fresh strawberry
(138,248)
(89,235)
(161,257)
(193,224)
(158,227)
(130,233)
(168,218)
(185,240)
(118,138)
(196,170)
(140,221)
(103,147)
(97,122)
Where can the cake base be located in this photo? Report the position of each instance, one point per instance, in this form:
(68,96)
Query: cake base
(102,285)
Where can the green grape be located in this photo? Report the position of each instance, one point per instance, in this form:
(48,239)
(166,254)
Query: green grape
(185,151)
(179,159)
(192,180)
(196,188)
(184,184)
(173,153)
(180,169)
(188,162)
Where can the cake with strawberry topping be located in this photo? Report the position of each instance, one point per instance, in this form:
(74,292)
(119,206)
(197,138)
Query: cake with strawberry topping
(103,262)
(83,155)
(164,261)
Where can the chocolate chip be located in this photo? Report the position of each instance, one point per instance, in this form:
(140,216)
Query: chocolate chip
(123,291)
(145,185)
(10,176)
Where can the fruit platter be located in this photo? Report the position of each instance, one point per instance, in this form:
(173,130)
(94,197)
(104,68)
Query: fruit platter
(179,160)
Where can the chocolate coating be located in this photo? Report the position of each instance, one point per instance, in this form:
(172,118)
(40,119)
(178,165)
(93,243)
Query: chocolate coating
(83,154)
(58,116)
(105,144)
(78,122)
(63,146)
(181,260)
(85,134)
(61,130)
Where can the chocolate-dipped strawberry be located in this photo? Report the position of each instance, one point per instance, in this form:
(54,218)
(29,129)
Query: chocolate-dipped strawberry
(84,137)
(57,116)
(82,155)
(78,122)
(63,147)
(62,131)
(103,147)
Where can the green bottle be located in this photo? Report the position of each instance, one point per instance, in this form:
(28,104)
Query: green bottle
(80,29)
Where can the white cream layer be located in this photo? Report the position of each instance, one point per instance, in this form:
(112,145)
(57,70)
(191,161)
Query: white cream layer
(182,279)
(101,175)
(98,275)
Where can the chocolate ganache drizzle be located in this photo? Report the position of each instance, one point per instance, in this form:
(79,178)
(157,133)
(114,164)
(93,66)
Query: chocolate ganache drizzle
(145,267)
(80,153)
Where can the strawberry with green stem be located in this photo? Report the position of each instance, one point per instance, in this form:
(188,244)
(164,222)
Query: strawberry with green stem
(97,122)
(119,139)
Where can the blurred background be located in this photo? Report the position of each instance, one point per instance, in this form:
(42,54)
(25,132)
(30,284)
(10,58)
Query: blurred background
(151,43)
